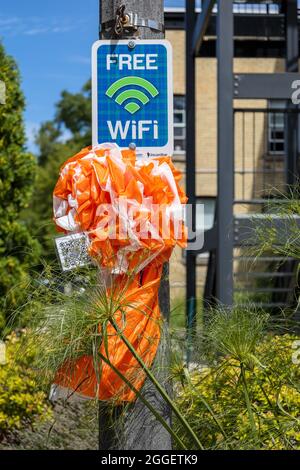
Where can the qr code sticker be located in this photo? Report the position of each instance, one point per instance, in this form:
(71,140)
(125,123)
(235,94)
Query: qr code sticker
(72,251)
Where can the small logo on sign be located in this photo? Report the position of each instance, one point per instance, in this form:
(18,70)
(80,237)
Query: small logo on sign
(135,98)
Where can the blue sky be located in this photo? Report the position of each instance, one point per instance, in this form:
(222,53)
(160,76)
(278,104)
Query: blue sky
(51,42)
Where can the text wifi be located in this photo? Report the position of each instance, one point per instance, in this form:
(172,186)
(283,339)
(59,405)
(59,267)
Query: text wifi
(133,129)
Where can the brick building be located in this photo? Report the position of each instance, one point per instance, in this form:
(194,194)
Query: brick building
(259,125)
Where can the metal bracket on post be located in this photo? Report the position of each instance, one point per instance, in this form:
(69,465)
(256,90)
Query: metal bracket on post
(129,22)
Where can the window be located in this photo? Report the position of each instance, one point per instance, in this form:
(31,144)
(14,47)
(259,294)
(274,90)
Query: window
(276,127)
(179,123)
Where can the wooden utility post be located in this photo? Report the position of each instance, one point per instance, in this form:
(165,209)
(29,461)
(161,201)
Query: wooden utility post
(139,430)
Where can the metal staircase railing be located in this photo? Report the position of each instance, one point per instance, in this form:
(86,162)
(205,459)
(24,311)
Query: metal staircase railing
(259,176)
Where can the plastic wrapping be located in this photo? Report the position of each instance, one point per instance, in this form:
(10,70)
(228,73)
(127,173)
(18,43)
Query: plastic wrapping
(131,209)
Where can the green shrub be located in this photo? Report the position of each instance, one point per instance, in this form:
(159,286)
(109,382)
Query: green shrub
(213,398)
(23,403)
(18,250)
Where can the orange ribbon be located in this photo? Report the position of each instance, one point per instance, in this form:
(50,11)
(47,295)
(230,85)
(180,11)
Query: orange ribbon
(129,209)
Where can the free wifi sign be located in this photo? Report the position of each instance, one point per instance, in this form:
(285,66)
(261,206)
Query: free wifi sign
(133,95)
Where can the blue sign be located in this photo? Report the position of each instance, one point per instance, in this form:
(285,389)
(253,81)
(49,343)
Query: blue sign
(133,95)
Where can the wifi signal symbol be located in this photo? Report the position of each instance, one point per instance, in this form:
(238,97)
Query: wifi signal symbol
(132,94)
